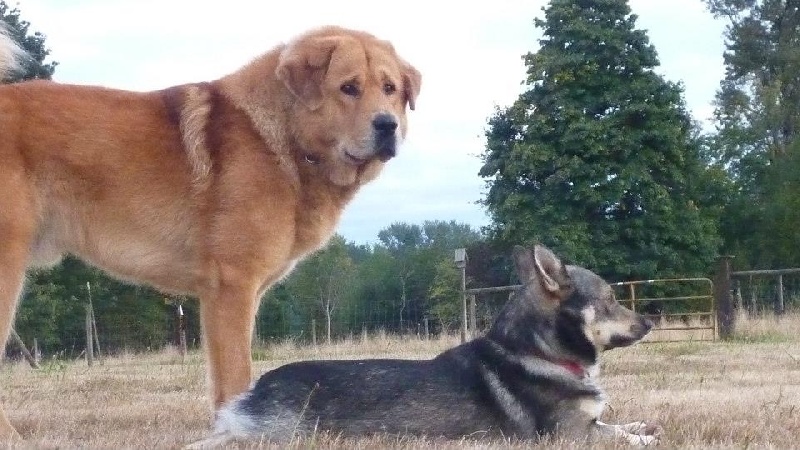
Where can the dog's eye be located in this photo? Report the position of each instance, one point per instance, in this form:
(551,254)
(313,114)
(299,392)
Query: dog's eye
(389,88)
(350,89)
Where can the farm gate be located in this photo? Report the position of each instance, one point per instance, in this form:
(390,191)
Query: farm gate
(682,308)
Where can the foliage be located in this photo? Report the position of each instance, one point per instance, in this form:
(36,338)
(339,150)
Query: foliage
(324,280)
(758,120)
(53,310)
(393,284)
(34,67)
(598,157)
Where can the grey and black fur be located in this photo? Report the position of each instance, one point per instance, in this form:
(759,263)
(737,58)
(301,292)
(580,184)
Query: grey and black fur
(532,374)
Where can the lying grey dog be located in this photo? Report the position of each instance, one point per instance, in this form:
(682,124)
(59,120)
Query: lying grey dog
(533,374)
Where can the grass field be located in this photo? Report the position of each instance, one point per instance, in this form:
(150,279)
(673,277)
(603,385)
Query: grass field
(740,394)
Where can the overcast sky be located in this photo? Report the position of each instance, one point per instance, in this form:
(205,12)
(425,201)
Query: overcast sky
(468,52)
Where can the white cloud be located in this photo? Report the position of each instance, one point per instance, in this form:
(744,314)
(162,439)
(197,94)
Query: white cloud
(469,54)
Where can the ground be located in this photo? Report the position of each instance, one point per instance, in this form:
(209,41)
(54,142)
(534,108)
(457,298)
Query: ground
(744,393)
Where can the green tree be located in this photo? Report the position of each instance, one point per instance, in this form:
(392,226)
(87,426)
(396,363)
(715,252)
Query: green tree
(598,158)
(325,280)
(423,257)
(34,66)
(758,121)
(444,294)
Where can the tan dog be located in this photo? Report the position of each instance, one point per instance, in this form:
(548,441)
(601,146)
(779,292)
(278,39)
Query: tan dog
(214,190)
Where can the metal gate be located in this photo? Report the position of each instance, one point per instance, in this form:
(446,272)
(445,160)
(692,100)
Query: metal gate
(696,325)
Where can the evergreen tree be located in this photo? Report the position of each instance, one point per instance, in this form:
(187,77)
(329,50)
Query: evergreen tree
(758,121)
(598,158)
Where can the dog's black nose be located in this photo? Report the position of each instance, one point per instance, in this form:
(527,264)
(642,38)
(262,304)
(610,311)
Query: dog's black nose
(384,123)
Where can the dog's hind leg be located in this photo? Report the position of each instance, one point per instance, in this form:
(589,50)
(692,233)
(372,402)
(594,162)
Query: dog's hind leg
(17,225)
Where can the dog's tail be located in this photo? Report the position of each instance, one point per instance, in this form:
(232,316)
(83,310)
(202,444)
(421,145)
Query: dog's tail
(11,54)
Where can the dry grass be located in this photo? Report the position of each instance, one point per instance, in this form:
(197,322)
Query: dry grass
(739,394)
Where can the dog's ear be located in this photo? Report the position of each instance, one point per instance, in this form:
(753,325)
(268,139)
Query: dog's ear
(551,273)
(302,68)
(412,82)
(524,263)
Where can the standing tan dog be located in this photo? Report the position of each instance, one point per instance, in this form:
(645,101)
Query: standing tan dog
(213,190)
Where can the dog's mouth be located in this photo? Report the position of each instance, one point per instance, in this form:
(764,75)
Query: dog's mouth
(353,159)
(621,341)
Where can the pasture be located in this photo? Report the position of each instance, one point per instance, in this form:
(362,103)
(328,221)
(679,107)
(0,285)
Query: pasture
(744,393)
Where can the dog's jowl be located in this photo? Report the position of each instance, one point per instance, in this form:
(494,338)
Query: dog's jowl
(534,373)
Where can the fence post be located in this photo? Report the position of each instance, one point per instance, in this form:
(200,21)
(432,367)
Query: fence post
(181,333)
(14,337)
(314,332)
(780,308)
(89,336)
(427,330)
(37,353)
(461,262)
(722,296)
(473,313)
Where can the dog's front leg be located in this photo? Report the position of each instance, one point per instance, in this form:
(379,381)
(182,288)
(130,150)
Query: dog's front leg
(227,317)
(634,433)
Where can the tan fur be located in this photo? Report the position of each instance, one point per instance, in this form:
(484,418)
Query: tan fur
(194,119)
(213,190)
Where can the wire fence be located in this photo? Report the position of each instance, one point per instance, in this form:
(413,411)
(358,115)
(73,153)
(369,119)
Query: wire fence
(756,293)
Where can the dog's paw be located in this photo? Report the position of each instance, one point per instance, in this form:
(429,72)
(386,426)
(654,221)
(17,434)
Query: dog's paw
(643,428)
(651,429)
(642,433)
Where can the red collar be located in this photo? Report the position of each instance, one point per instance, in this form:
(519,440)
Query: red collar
(572,367)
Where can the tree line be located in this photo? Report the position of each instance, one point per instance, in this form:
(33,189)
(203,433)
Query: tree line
(598,158)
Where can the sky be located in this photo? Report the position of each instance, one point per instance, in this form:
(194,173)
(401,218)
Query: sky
(469,53)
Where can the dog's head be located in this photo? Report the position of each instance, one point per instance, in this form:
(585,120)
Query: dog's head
(351,91)
(577,305)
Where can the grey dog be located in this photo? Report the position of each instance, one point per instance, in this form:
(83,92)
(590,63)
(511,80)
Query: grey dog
(534,373)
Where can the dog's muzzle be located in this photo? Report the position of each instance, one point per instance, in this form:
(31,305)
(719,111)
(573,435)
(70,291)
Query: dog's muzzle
(385,128)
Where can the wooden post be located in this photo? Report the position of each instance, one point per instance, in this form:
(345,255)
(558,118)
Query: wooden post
(737,294)
(722,297)
(460,258)
(314,332)
(780,307)
(181,333)
(463,304)
(14,337)
(364,334)
(89,345)
(632,290)
(427,330)
(37,353)
(473,314)
(94,324)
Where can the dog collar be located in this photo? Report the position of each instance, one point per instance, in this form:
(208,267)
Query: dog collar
(572,367)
